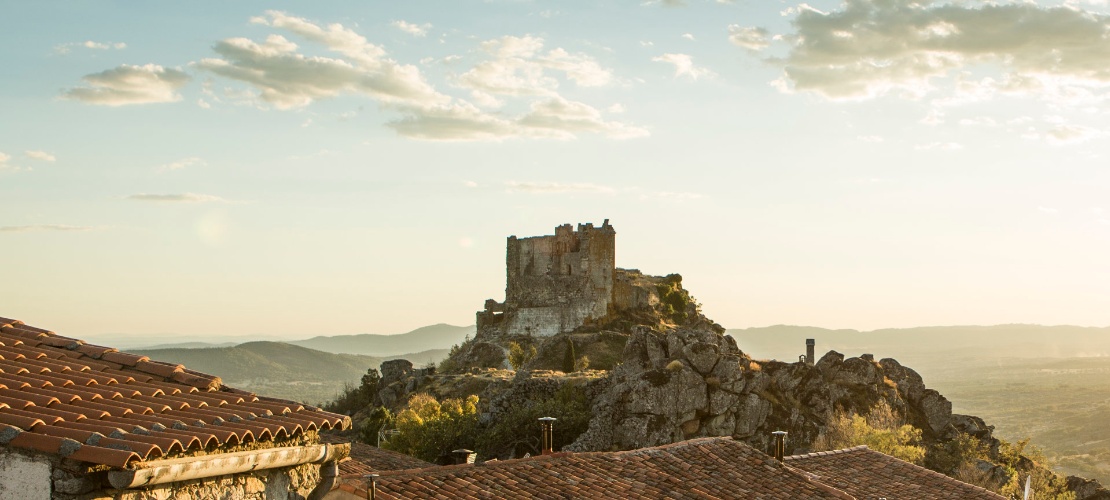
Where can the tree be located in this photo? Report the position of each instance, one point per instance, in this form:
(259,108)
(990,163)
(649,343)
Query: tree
(519,356)
(568,357)
(430,429)
(354,399)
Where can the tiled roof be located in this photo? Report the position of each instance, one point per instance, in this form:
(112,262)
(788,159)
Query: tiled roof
(865,473)
(706,468)
(366,459)
(94,404)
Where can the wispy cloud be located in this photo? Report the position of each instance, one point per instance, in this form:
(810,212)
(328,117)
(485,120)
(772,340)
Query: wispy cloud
(557,187)
(412,28)
(128,84)
(43,227)
(178,198)
(66,48)
(683,66)
(288,79)
(749,37)
(191,161)
(39,155)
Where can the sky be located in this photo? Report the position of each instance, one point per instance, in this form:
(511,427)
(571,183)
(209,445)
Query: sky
(302,169)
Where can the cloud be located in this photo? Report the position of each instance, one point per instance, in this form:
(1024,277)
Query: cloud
(554,118)
(870,138)
(128,84)
(412,29)
(683,65)
(180,164)
(909,48)
(288,79)
(65,48)
(520,68)
(178,198)
(942,146)
(39,155)
(751,38)
(1049,210)
(42,227)
(1070,134)
(5,164)
(689,36)
(557,187)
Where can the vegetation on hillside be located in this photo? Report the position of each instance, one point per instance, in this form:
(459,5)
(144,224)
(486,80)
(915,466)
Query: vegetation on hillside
(882,430)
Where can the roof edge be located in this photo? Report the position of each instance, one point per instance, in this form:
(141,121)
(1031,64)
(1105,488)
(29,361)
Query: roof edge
(184,469)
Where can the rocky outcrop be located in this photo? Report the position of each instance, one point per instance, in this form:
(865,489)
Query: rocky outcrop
(1087,489)
(688,383)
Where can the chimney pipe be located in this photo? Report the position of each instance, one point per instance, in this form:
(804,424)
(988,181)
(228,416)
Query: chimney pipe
(372,487)
(809,351)
(546,423)
(464,456)
(780,444)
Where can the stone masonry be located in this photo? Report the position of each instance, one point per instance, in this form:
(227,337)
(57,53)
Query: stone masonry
(554,283)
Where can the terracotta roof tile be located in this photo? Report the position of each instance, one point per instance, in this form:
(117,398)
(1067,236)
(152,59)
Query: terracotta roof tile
(56,390)
(366,459)
(706,468)
(865,473)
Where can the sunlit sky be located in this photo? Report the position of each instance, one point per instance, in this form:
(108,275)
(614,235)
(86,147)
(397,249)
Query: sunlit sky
(354,167)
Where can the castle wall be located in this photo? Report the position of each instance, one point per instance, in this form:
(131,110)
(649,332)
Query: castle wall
(558,282)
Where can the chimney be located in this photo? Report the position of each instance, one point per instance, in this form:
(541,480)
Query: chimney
(780,444)
(546,423)
(372,486)
(809,351)
(464,456)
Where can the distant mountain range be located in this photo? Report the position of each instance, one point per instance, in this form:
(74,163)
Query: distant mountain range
(921,347)
(284,370)
(441,336)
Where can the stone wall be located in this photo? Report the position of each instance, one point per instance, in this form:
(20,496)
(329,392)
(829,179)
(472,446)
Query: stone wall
(36,476)
(555,283)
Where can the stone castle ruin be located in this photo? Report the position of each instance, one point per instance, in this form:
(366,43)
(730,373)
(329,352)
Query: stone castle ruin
(569,282)
(555,283)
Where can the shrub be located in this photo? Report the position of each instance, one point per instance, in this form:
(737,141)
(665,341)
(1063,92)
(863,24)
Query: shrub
(517,431)
(430,429)
(582,364)
(882,430)
(519,356)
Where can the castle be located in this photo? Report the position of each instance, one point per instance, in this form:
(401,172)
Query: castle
(555,283)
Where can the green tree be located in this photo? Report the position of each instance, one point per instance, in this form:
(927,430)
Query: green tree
(568,357)
(354,399)
(518,355)
(429,429)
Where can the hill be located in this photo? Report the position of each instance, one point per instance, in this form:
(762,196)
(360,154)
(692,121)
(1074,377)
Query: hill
(283,370)
(440,336)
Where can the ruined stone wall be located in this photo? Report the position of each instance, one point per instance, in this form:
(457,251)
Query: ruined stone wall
(558,282)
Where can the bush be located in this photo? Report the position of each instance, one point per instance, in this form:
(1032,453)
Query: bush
(519,356)
(882,431)
(518,432)
(582,364)
(430,429)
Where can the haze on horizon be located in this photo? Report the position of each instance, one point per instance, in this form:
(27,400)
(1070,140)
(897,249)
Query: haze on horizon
(355,168)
